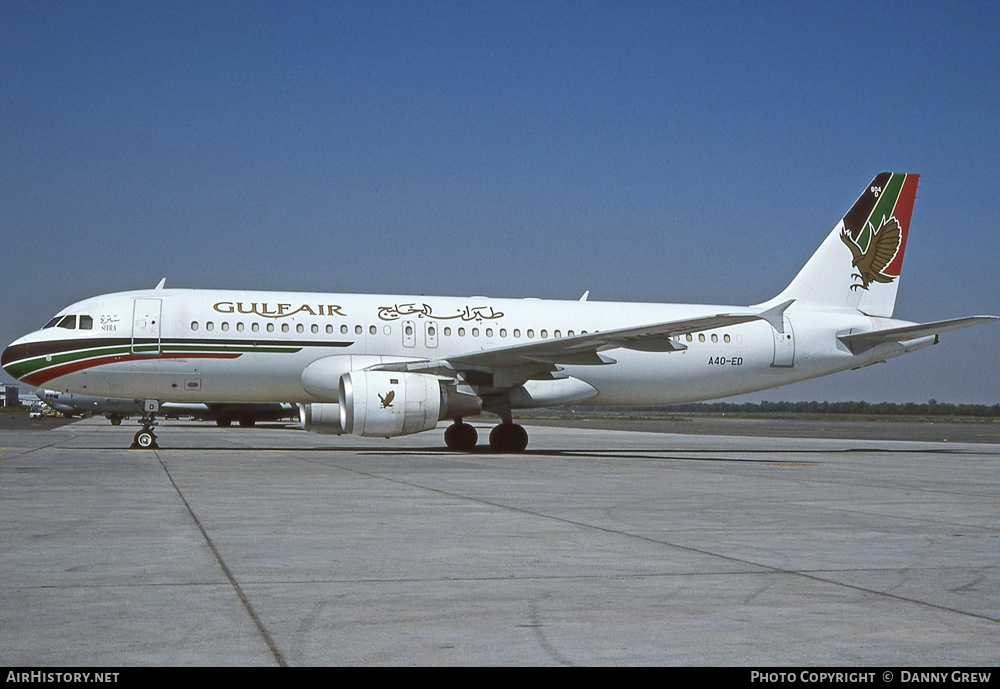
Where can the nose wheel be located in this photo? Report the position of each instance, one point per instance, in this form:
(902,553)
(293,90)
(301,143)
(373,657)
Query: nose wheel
(145,439)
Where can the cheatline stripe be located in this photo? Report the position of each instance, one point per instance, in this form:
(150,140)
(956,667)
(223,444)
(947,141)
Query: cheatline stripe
(44,375)
(35,349)
(48,355)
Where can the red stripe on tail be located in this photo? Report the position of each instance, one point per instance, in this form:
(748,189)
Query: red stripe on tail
(903,212)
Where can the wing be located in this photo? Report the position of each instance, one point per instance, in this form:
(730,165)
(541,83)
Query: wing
(504,367)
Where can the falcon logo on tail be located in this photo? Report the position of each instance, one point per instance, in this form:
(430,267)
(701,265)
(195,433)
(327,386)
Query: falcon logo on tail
(881,249)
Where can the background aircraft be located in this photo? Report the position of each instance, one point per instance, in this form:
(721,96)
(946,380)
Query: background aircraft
(115,410)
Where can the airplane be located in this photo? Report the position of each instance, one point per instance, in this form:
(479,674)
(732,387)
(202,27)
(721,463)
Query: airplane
(115,410)
(392,365)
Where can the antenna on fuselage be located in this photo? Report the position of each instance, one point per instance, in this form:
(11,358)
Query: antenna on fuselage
(161,283)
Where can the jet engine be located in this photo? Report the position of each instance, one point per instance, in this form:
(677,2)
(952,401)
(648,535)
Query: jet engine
(386,403)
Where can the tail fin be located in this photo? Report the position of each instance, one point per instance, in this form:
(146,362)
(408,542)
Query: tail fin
(859,263)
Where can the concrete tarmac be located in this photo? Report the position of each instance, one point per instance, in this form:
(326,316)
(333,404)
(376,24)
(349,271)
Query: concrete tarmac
(272,546)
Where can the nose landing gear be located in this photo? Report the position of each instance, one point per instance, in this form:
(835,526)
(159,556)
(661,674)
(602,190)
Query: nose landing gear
(145,439)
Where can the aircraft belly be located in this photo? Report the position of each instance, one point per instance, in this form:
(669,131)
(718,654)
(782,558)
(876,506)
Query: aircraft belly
(249,378)
(260,378)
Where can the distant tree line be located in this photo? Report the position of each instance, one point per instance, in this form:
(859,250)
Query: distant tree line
(929,408)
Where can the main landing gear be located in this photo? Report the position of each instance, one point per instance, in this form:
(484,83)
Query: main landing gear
(461,436)
(506,437)
(509,437)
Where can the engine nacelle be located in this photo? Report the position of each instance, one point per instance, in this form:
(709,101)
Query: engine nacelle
(321,418)
(387,403)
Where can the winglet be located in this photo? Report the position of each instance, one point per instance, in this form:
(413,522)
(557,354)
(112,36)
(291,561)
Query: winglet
(776,315)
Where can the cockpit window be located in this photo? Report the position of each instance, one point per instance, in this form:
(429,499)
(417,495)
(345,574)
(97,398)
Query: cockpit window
(52,323)
(86,323)
(68,322)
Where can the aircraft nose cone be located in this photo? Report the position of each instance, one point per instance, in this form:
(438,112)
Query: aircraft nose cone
(13,353)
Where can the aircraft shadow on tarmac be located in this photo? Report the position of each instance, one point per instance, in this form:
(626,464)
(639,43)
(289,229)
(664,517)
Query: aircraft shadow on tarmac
(768,456)
(674,453)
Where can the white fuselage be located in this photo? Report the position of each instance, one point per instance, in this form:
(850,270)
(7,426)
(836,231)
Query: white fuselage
(180,345)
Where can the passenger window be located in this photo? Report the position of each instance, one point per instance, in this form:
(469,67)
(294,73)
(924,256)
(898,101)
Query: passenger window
(357,330)
(343,330)
(461,332)
(531,333)
(314,328)
(475,332)
(86,323)
(239,327)
(517,332)
(545,334)
(701,337)
(373,330)
(284,327)
(270,327)
(225,327)
(726,338)
(689,337)
(503,332)
(255,327)
(557,334)
(210,326)
(715,338)
(329,330)
(447,332)
(194,325)
(299,328)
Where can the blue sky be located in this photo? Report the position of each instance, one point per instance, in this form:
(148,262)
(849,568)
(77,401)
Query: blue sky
(646,151)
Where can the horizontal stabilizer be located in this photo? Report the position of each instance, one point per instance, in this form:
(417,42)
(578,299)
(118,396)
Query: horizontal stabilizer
(859,342)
